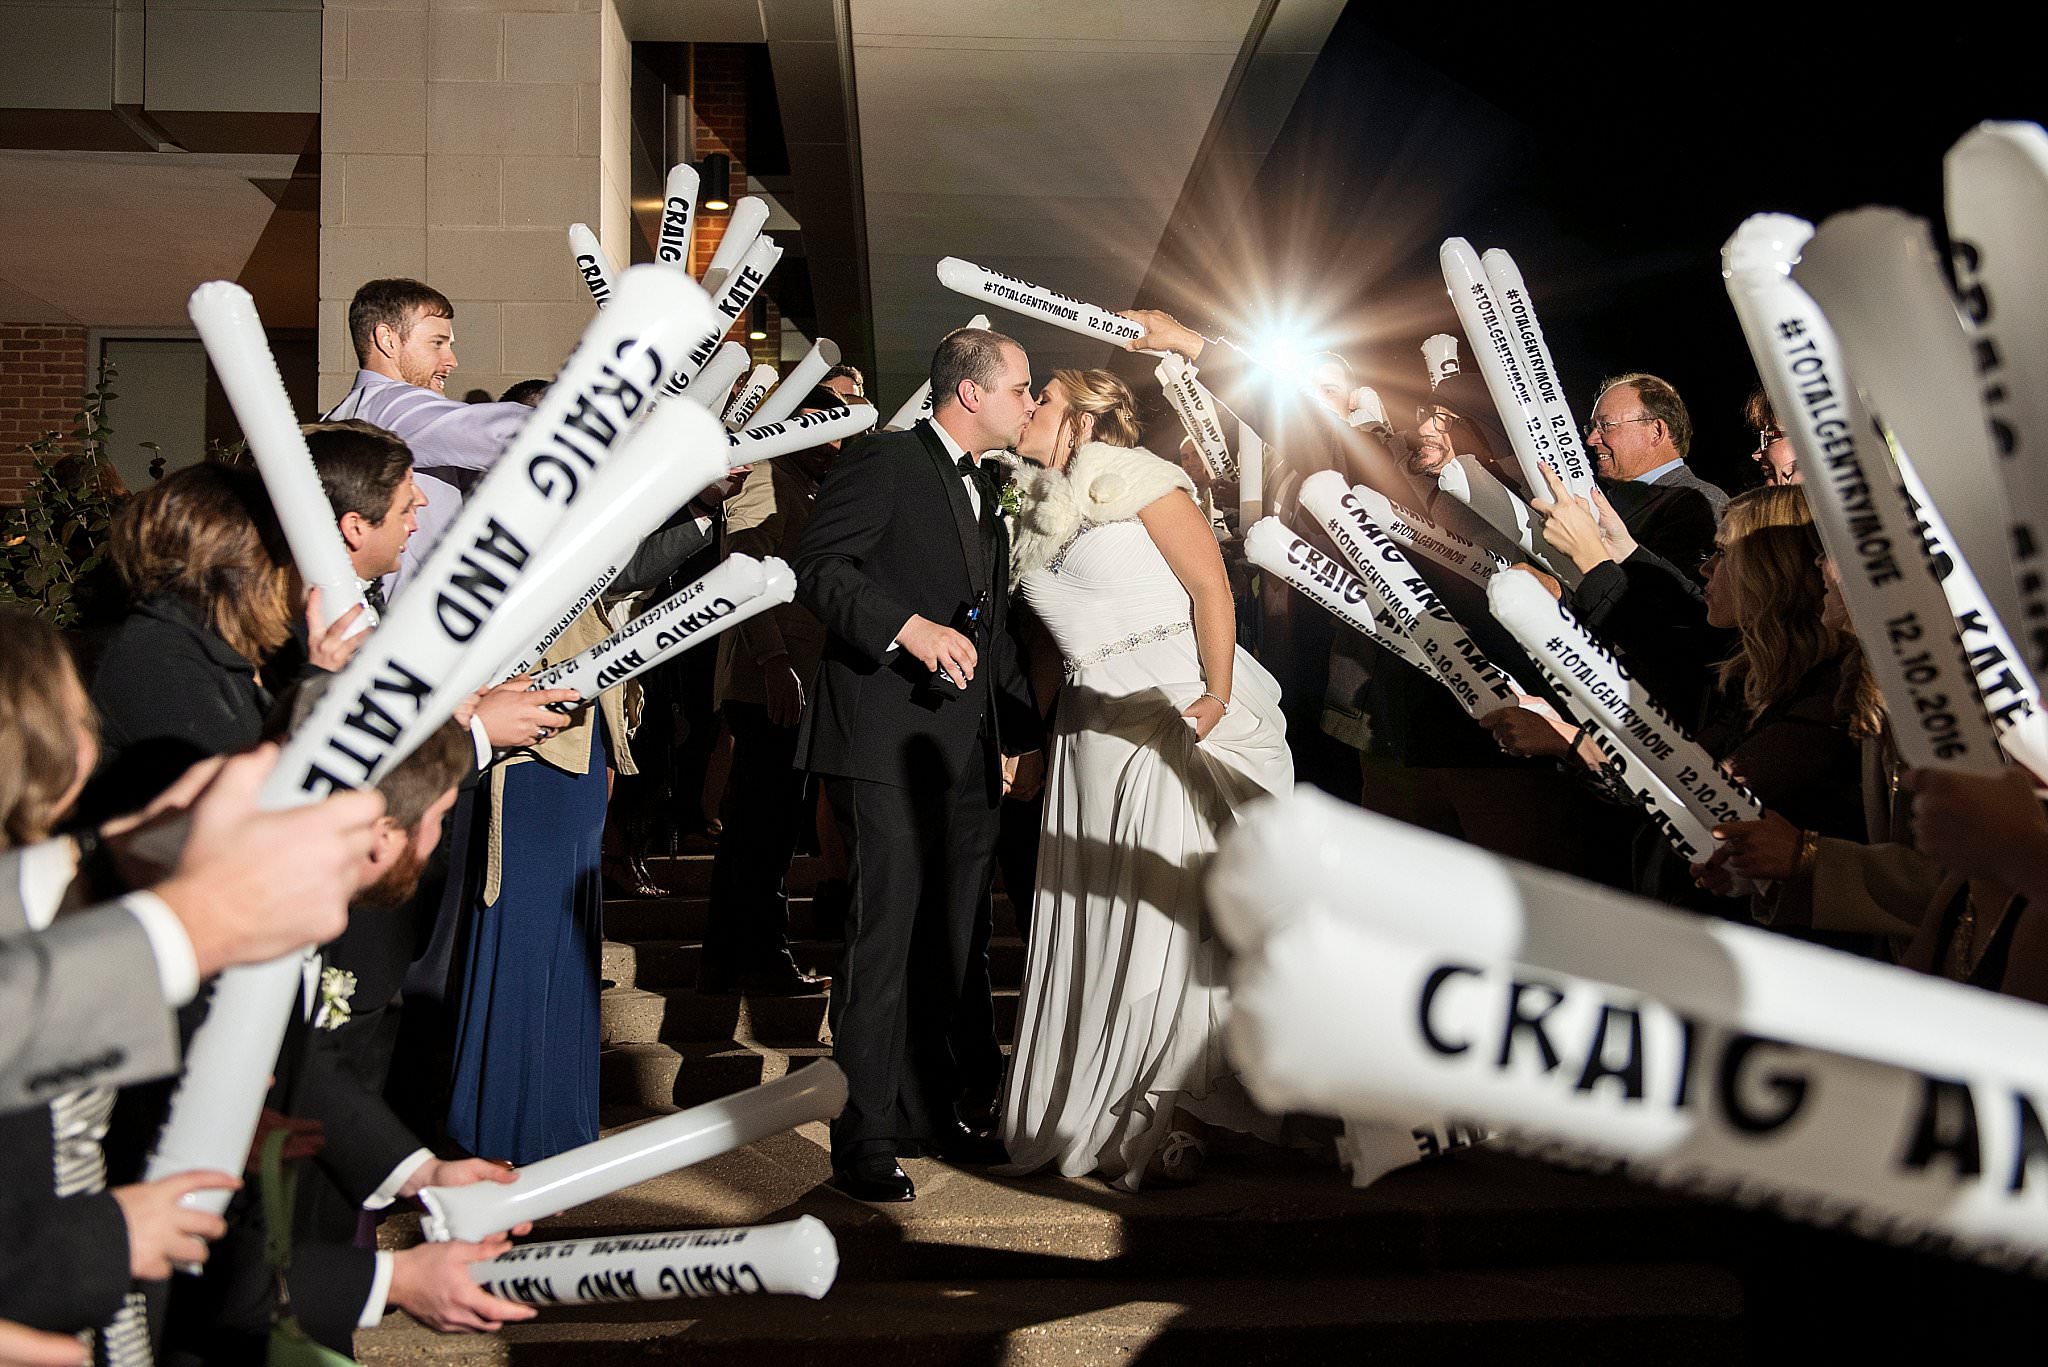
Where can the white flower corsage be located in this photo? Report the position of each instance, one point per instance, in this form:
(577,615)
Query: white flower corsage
(337,985)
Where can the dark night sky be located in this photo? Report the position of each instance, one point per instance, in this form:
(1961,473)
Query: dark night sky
(1612,158)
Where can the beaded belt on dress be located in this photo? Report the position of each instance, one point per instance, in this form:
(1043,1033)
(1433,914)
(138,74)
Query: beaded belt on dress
(1125,644)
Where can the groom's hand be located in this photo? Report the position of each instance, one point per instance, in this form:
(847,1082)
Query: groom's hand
(938,648)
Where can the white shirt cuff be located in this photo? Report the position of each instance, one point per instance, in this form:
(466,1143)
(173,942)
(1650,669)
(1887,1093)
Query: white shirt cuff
(47,868)
(177,967)
(387,1190)
(380,1292)
(482,741)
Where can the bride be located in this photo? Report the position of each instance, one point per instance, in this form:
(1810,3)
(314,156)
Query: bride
(1163,730)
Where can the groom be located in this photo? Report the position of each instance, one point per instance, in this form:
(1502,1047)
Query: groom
(906,562)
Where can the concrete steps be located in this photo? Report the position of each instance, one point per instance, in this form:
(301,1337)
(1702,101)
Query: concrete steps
(1272,1257)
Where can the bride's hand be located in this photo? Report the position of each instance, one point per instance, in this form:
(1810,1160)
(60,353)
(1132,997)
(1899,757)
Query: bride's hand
(1205,712)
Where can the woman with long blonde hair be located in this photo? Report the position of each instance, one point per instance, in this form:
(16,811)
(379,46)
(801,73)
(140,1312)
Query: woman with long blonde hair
(1163,729)
(1794,702)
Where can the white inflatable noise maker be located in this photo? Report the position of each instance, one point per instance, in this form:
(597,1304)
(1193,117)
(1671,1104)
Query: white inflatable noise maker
(1198,414)
(807,374)
(240,353)
(1901,615)
(1367,409)
(410,674)
(1677,782)
(1996,179)
(591,263)
(734,294)
(617,1161)
(1440,356)
(1327,583)
(759,382)
(1876,275)
(742,228)
(1502,345)
(794,1258)
(1036,301)
(738,588)
(766,440)
(1587,1024)
(1479,685)
(678,207)
(714,382)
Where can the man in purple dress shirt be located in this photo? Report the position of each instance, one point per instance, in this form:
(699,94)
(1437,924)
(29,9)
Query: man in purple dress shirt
(404,335)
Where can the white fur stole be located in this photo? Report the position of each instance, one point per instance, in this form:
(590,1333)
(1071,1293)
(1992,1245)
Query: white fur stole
(1101,484)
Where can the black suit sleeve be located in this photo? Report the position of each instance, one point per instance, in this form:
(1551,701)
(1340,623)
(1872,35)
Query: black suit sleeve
(365,1137)
(663,552)
(855,507)
(330,1284)
(64,1266)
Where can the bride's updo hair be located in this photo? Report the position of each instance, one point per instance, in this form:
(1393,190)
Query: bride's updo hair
(1104,397)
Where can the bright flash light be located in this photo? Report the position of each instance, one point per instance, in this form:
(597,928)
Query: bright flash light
(1278,353)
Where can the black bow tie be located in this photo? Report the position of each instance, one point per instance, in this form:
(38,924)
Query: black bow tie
(977,472)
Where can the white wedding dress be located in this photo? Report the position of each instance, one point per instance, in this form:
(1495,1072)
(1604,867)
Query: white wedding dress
(1125,992)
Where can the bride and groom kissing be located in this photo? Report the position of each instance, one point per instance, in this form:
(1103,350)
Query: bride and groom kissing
(1162,729)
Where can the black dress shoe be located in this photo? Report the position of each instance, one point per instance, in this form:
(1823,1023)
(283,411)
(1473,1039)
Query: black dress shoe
(876,1179)
(960,1145)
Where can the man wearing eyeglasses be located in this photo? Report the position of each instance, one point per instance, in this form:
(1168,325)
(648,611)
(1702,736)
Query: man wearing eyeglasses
(1640,432)
(1459,420)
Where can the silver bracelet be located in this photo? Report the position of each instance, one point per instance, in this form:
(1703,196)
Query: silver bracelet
(1225,701)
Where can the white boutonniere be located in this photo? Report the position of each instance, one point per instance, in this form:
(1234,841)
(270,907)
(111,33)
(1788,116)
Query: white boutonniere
(1010,501)
(337,985)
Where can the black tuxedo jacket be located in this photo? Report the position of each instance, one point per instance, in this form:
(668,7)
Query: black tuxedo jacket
(893,535)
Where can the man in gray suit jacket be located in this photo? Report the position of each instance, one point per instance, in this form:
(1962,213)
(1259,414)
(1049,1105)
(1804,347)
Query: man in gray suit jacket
(87,999)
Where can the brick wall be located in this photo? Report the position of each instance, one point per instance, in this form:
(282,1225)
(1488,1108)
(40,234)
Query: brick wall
(42,383)
(719,104)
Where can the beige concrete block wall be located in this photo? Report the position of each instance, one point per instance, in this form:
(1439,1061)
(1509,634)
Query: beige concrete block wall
(460,139)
